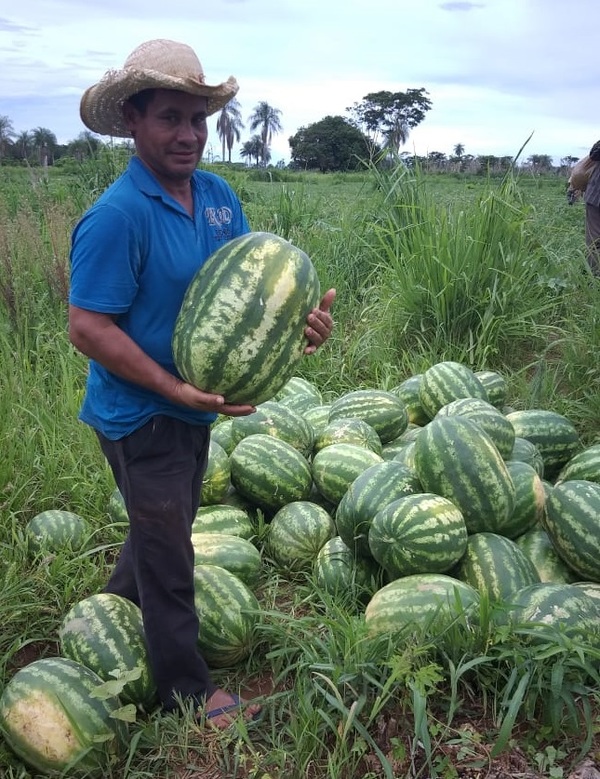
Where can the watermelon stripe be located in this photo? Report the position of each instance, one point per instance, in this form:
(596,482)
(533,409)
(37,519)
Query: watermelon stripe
(228,613)
(572,520)
(455,458)
(105,632)
(421,533)
(269,472)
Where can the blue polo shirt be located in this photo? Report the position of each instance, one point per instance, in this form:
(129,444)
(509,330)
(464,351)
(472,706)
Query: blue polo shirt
(134,254)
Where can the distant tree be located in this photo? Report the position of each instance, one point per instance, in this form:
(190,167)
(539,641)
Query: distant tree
(540,163)
(490,163)
(459,150)
(569,160)
(331,144)
(266,119)
(84,146)
(44,142)
(229,126)
(253,149)
(391,115)
(436,160)
(7,133)
(23,144)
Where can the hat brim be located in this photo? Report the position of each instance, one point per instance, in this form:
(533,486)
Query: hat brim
(101,107)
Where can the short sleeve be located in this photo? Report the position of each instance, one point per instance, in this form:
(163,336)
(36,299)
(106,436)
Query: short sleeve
(105,261)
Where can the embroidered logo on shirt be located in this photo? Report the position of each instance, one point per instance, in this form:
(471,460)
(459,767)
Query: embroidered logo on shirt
(220,219)
(217,217)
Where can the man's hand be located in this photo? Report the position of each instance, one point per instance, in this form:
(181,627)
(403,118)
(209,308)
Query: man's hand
(188,395)
(319,323)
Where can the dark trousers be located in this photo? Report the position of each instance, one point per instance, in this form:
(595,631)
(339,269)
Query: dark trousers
(159,470)
(592,237)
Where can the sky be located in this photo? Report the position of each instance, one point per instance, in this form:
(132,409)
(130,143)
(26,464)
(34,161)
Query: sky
(497,72)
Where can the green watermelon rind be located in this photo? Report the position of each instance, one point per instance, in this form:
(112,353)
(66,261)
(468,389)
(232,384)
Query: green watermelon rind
(48,704)
(240,331)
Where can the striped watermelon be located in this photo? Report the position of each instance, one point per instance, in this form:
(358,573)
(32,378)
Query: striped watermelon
(562,606)
(489,419)
(591,589)
(554,435)
(105,633)
(296,534)
(427,601)
(495,566)
(572,520)
(217,475)
(223,518)
(447,381)
(269,472)
(538,547)
(51,721)
(406,456)
(299,394)
(338,571)
(383,410)
(584,465)
(55,529)
(525,451)
(371,491)
(116,507)
(272,418)
(220,432)
(235,554)
(421,533)
(455,458)
(396,447)
(348,431)
(408,392)
(240,330)
(317,417)
(495,386)
(530,499)
(229,614)
(335,467)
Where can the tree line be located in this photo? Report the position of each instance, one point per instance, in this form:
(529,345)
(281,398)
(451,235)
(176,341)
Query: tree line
(382,120)
(376,127)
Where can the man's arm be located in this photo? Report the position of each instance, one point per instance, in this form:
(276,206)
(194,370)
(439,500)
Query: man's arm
(97,336)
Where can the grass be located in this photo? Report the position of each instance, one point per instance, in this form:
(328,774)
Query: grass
(490,273)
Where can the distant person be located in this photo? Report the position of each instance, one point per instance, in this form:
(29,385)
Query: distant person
(592,212)
(133,255)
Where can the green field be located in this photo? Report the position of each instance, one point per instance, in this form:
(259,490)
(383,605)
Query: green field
(487,272)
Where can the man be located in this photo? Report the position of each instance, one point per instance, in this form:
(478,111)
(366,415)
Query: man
(592,212)
(133,255)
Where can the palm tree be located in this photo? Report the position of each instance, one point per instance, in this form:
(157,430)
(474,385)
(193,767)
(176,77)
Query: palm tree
(254,148)
(229,126)
(397,135)
(45,142)
(267,119)
(23,142)
(7,133)
(459,150)
(85,145)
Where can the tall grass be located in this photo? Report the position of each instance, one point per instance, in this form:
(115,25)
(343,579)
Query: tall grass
(465,282)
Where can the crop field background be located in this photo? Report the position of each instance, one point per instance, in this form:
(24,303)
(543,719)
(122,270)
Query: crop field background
(489,272)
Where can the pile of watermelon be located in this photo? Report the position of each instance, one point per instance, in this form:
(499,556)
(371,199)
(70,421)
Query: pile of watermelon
(423,497)
(411,503)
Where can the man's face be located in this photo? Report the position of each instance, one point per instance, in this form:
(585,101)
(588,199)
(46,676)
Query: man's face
(171,134)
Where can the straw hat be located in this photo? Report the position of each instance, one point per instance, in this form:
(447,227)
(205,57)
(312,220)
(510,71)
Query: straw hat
(158,64)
